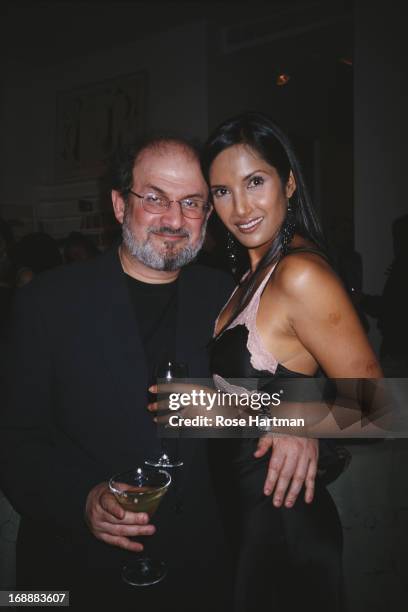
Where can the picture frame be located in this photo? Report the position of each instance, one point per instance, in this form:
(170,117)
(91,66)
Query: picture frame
(92,121)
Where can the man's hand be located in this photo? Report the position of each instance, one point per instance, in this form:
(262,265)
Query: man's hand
(109,522)
(200,400)
(293,460)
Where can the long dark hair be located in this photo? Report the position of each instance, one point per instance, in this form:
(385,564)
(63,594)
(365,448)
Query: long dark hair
(260,133)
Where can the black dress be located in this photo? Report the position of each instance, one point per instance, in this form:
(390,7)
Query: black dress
(284,557)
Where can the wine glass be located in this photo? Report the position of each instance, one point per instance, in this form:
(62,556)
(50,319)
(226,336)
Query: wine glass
(141,490)
(168,370)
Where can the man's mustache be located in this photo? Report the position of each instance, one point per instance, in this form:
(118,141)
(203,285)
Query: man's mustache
(182,232)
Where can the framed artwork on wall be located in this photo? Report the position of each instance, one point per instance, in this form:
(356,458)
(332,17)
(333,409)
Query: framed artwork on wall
(92,121)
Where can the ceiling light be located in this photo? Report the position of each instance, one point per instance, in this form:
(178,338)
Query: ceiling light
(282,79)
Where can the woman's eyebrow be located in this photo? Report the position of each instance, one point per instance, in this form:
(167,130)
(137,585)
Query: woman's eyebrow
(251,173)
(244,178)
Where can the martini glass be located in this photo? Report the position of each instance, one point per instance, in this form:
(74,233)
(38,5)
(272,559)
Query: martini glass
(141,490)
(168,370)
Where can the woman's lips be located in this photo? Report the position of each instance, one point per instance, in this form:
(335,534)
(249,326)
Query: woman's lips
(249,226)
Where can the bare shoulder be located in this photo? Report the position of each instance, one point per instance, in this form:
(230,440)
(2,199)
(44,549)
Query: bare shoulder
(301,274)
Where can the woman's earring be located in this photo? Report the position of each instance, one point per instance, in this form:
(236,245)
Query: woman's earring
(232,253)
(288,229)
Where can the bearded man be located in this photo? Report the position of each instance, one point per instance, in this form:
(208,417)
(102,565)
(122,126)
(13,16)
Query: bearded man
(83,350)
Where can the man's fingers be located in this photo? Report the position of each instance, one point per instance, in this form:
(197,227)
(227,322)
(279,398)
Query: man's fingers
(175,387)
(162,411)
(297,482)
(130,518)
(264,444)
(163,417)
(298,469)
(108,503)
(310,481)
(127,531)
(110,523)
(161,407)
(124,543)
(274,468)
(282,484)
(112,512)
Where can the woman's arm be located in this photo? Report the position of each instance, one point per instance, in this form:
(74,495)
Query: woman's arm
(323,318)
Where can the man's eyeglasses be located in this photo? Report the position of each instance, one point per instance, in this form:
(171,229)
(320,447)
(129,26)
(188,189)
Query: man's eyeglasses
(192,208)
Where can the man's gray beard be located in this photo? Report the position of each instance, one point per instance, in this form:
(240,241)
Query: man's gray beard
(147,254)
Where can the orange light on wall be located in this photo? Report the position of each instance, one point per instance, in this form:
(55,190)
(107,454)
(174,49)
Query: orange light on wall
(282,79)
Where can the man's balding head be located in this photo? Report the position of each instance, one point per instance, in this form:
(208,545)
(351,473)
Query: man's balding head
(167,238)
(128,158)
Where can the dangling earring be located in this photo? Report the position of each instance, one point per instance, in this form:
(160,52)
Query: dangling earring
(232,253)
(288,229)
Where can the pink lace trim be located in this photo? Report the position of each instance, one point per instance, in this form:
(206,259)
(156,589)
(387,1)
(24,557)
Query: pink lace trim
(261,358)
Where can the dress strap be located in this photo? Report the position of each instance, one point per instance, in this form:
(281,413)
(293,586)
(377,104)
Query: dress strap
(248,315)
(250,307)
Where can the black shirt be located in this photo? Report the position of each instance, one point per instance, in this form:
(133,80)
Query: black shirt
(155,307)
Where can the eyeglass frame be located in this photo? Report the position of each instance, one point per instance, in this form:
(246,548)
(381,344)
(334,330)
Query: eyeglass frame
(206,207)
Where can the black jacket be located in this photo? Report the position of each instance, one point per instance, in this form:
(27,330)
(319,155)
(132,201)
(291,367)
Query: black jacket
(74,410)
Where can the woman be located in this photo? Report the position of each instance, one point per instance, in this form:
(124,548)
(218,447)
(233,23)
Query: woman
(289,317)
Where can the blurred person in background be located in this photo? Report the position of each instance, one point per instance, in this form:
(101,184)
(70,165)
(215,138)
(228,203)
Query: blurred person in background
(79,247)
(34,254)
(390,308)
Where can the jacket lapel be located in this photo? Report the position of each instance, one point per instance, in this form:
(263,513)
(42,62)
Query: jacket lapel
(124,355)
(121,343)
(192,335)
